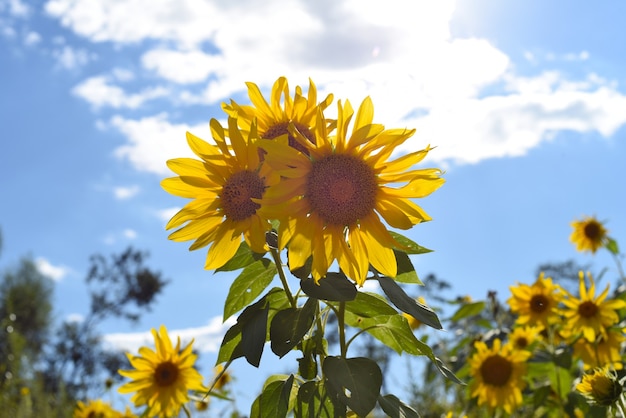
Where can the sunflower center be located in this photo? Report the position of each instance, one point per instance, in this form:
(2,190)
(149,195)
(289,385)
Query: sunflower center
(521,342)
(237,193)
(539,303)
(592,231)
(282,128)
(587,309)
(166,373)
(341,189)
(496,370)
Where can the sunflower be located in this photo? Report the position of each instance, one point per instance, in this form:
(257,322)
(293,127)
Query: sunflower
(606,350)
(523,338)
(95,409)
(224,185)
(329,201)
(601,387)
(498,375)
(590,315)
(163,378)
(536,304)
(589,234)
(273,118)
(223,377)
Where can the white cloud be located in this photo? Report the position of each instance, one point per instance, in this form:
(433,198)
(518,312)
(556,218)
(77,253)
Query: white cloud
(129,233)
(75,317)
(122,74)
(32,38)
(46,268)
(154,140)
(99,92)
(71,58)
(16,8)
(123,193)
(207,338)
(182,66)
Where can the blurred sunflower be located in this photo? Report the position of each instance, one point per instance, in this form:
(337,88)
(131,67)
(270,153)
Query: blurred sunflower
(224,184)
(223,377)
(498,375)
(329,201)
(589,234)
(523,338)
(163,378)
(95,409)
(536,304)
(273,118)
(605,351)
(588,314)
(601,387)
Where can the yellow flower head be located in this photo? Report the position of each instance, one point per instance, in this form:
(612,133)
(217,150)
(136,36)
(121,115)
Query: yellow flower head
(600,387)
(605,351)
(95,409)
(273,118)
(536,304)
(498,375)
(202,405)
(225,185)
(330,200)
(161,380)
(522,338)
(588,314)
(223,379)
(589,234)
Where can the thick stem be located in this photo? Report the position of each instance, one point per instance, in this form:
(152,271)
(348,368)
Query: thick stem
(281,274)
(342,329)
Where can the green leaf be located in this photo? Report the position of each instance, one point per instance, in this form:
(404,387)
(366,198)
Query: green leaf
(273,402)
(248,285)
(354,382)
(290,325)
(334,287)
(406,272)
(313,401)
(254,330)
(243,257)
(395,408)
(407,245)
(407,304)
(231,345)
(392,330)
(612,246)
(368,305)
(467,310)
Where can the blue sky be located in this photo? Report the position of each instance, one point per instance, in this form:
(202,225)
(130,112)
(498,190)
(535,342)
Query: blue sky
(525,102)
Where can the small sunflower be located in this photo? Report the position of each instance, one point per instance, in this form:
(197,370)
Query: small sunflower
(605,351)
(589,234)
(498,375)
(225,186)
(273,118)
(536,304)
(588,314)
(601,387)
(329,201)
(523,338)
(95,409)
(163,378)
(223,377)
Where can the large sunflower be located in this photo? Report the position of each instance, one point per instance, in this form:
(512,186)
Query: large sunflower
(588,314)
(329,201)
(498,375)
(224,186)
(273,118)
(163,378)
(589,234)
(605,351)
(601,387)
(536,304)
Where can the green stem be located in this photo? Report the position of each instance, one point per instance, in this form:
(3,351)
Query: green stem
(281,274)
(342,329)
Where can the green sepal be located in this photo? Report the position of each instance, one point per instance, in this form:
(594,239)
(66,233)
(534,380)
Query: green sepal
(274,400)
(354,382)
(467,310)
(408,246)
(248,285)
(407,304)
(290,325)
(334,287)
(406,271)
(395,408)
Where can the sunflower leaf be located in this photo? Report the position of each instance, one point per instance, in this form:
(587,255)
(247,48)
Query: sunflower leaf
(395,408)
(231,345)
(406,272)
(408,246)
(467,310)
(313,401)
(407,304)
(611,245)
(368,305)
(334,287)
(290,325)
(248,285)
(392,330)
(253,322)
(273,402)
(354,382)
